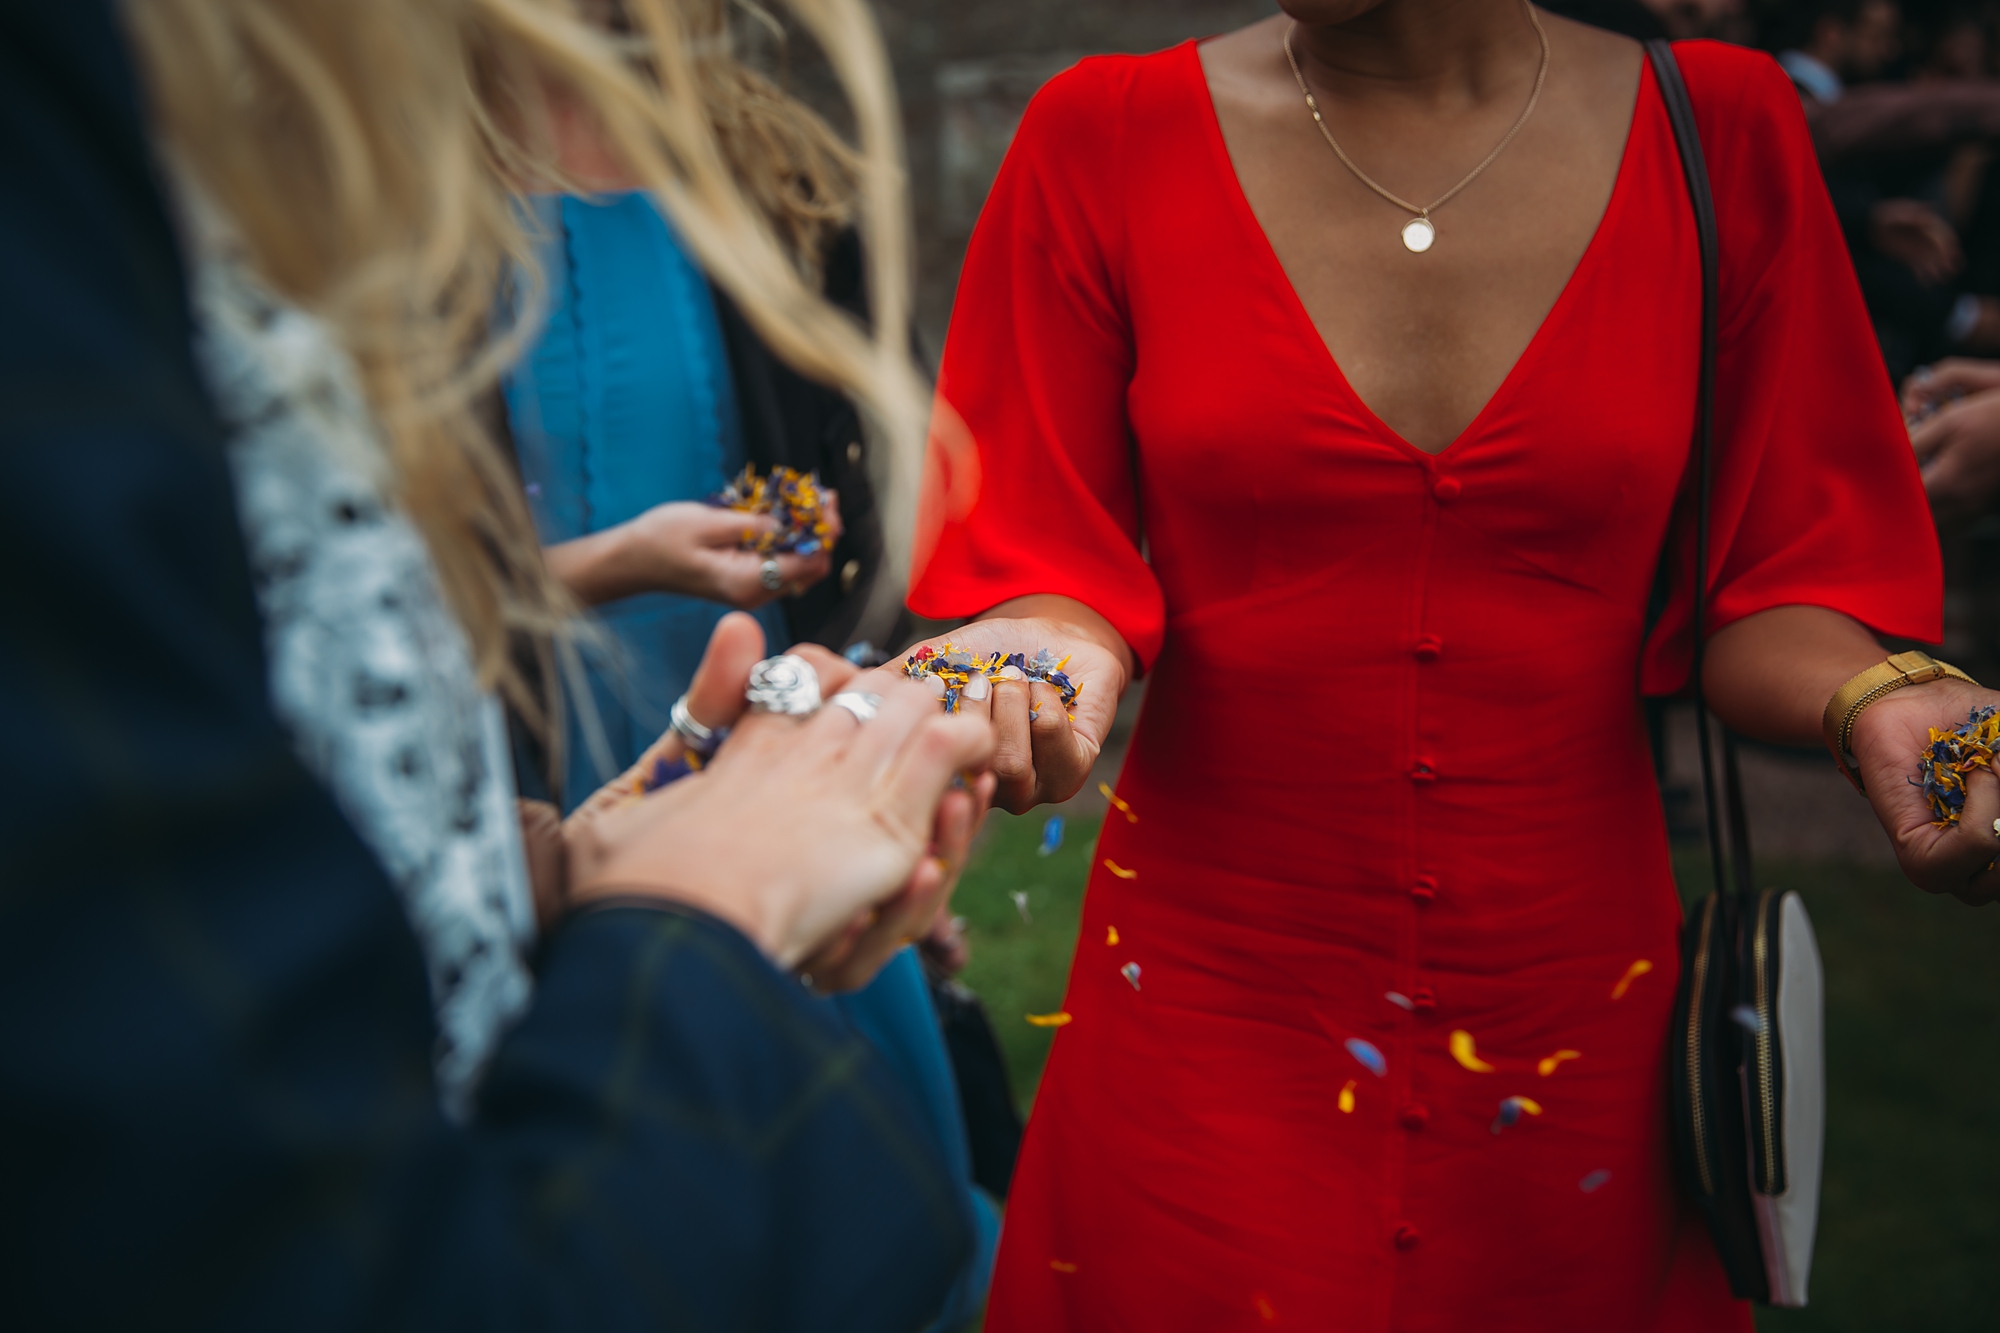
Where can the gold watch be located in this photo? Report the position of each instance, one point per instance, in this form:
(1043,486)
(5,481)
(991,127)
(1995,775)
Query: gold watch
(1912,668)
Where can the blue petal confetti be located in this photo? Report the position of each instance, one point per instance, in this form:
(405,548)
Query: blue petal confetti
(1950,756)
(1400,1000)
(1591,1183)
(1369,1055)
(1748,1019)
(1131,973)
(1052,835)
(795,499)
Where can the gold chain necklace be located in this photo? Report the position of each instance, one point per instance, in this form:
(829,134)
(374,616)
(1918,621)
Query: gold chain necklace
(1420,231)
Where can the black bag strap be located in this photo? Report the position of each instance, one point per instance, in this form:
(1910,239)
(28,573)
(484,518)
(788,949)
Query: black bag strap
(1680,111)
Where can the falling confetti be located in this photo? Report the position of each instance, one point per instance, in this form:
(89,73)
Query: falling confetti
(1117,804)
(1347,1097)
(1591,1183)
(1547,1064)
(1748,1019)
(1119,870)
(1052,835)
(1463,1051)
(1369,1055)
(1511,1111)
(1400,1000)
(1110,935)
(1640,967)
(1131,973)
(1054,1020)
(1020,897)
(1062,1267)
(1265,1310)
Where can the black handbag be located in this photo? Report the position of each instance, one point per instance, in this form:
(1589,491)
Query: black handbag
(1748,1079)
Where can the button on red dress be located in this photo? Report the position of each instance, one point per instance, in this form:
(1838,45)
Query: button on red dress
(1392,745)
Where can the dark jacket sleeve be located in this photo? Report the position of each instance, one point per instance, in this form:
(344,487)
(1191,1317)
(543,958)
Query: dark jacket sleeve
(216,1107)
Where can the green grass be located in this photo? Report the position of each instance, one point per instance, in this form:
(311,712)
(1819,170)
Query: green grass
(1910,1222)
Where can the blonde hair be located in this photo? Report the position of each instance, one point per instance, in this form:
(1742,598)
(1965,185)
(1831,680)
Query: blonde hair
(370,154)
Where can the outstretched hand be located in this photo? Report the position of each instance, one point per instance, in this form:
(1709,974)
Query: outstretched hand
(828,841)
(1889,739)
(1040,754)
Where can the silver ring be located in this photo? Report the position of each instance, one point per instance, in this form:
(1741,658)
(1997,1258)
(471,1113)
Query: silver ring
(864,706)
(785,685)
(769,575)
(681,722)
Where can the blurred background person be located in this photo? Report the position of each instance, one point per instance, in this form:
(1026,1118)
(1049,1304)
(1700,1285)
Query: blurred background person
(1954,407)
(643,393)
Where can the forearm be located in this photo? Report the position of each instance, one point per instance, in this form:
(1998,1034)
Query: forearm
(1073,616)
(602,567)
(1769,675)
(1884,119)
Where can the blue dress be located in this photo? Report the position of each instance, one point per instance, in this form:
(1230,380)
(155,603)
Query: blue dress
(625,402)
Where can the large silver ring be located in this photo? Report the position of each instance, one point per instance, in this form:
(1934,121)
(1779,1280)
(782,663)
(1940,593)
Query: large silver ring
(698,738)
(769,575)
(864,706)
(785,685)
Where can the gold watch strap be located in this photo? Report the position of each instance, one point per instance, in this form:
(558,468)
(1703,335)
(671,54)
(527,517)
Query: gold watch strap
(1912,668)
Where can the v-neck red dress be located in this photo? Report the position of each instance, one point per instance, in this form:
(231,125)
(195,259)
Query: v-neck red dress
(1391,779)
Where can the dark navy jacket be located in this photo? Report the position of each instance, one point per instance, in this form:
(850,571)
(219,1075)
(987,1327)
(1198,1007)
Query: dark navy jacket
(215,1098)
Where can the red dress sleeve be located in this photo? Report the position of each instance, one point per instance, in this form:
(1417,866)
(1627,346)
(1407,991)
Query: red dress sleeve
(1816,496)
(1037,365)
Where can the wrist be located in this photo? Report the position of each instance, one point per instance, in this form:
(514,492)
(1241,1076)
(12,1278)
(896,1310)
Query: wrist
(1850,703)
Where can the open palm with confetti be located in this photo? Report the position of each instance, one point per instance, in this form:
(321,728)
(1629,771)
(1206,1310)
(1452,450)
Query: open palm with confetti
(1044,751)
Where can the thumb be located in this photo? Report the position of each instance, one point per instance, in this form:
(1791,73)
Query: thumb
(715,695)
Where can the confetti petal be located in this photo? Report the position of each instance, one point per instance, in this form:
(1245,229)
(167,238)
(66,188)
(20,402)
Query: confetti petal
(1052,835)
(1951,756)
(1020,897)
(1131,973)
(1265,1310)
(1591,1183)
(1119,870)
(1547,1064)
(1062,1267)
(1054,1020)
(795,499)
(1368,1054)
(1463,1051)
(1400,1000)
(1748,1019)
(1640,967)
(1347,1097)
(1512,1109)
(1112,796)
(1110,935)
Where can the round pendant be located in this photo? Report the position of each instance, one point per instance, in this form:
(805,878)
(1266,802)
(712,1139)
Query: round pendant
(1418,234)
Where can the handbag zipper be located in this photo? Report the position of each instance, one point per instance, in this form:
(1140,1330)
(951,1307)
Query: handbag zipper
(1694,1049)
(1767,1103)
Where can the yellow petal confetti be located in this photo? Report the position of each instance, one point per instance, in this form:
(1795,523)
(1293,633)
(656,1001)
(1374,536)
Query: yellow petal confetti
(1347,1097)
(1111,934)
(1265,1310)
(1121,807)
(1463,1051)
(1640,967)
(1547,1064)
(1528,1104)
(1119,870)
(1062,1267)
(1055,1020)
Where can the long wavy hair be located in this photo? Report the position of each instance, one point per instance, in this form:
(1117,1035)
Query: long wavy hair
(371,155)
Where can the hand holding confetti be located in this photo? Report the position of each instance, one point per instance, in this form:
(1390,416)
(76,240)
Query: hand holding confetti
(1049,730)
(799,506)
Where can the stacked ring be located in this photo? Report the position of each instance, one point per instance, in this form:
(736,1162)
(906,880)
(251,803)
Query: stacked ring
(701,740)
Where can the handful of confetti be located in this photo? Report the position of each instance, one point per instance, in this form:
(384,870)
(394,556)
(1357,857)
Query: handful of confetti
(795,499)
(1953,754)
(954,674)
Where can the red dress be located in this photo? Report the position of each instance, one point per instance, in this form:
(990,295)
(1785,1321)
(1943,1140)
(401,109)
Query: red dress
(1391,780)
